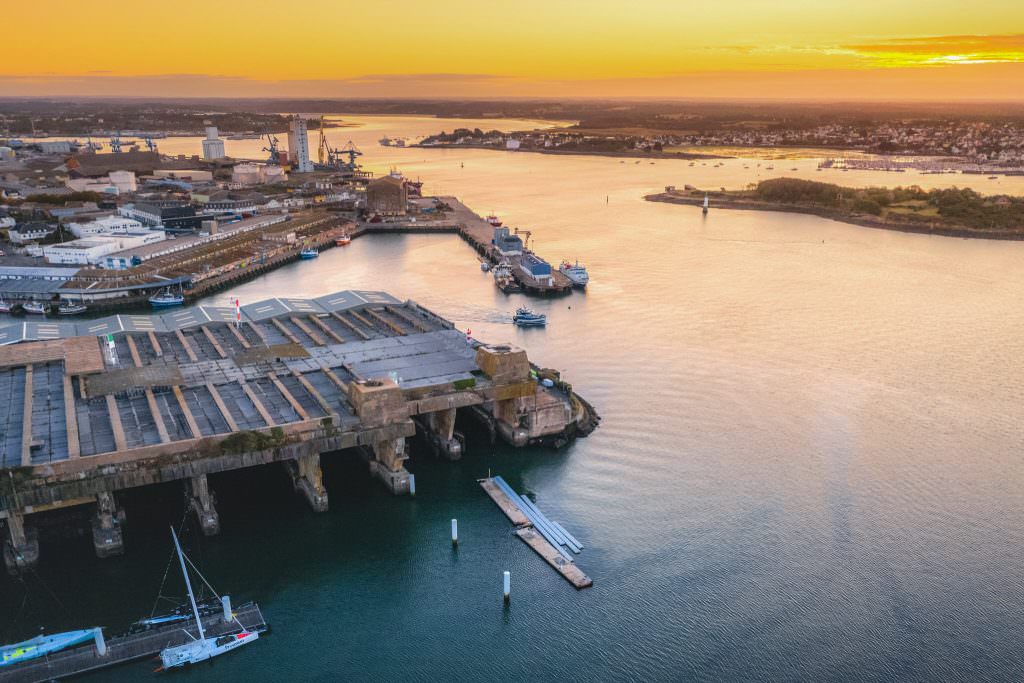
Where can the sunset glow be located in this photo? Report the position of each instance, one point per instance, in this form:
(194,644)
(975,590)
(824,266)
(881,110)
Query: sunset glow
(914,49)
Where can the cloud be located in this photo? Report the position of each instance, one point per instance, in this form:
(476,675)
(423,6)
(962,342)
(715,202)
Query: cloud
(930,50)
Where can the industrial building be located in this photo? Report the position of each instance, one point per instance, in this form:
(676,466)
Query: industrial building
(298,146)
(94,249)
(104,226)
(172,215)
(213,146)
(387,196)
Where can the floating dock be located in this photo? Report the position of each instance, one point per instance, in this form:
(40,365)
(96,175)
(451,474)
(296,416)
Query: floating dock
(129,647)
(538,538)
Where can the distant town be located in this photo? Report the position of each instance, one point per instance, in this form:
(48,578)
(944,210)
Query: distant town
(83,229)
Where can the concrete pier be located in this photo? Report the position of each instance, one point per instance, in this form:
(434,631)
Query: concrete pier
(187,393)
(307,479)
(21,547)
(202,502)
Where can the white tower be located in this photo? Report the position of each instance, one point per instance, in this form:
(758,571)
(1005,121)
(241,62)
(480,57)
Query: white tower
(298,146)
(213,147)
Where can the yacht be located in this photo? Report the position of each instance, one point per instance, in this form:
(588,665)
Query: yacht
(576,273)
(203,647)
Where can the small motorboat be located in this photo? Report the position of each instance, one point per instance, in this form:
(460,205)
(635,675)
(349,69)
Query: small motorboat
(40,646)
(71,308)
(166,298)
(524,317)
(342,240)
(4,307)
(308,253)
(34,307)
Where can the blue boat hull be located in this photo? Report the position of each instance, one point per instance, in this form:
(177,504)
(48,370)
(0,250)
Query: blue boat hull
(41,646)
(166,304)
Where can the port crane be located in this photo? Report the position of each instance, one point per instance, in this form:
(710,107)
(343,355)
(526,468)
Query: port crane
(275,153)
(150,145)
(115,143)
(528,233)
(353,153)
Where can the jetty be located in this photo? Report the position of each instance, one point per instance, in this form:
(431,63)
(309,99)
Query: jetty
(477,232)
(99,406)
(547,538)
(129,647)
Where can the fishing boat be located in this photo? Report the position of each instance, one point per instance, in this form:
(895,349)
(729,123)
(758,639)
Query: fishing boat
(201,648)
(576,273)
(308,253)
(71,308)
(166,298)
(41,646)
(342,239)
(503,278)
(494,221)
(34,307)
(524,317)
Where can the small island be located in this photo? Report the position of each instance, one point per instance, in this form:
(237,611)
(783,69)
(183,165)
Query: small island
(953,212)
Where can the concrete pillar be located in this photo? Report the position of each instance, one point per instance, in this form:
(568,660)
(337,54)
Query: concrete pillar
(509,422)
(307,478)
(387,465)
(107,540)
(202,502)
(21,546)
(442,427)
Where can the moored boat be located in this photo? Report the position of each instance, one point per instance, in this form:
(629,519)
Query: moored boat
(203,647)
(71,308)
(524,317)
(166,298)
(308,253)
(34,307)
(342,239)
(42,645)
(576,273)
(4,307)
(494,221)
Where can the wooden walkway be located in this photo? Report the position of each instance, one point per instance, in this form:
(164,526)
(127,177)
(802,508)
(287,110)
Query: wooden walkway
(126,648)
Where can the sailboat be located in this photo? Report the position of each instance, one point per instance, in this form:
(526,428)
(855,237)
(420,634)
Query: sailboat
(201,648)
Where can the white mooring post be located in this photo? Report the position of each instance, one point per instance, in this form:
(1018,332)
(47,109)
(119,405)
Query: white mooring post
(101,644)
(507,585)
(412,485)
(455,532)
(225,602)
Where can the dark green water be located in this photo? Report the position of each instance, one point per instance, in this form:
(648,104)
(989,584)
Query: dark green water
(809,466)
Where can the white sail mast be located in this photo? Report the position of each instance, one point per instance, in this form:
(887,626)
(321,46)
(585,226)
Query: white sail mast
(188,584)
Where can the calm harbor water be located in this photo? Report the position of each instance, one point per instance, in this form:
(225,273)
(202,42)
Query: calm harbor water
(809,466)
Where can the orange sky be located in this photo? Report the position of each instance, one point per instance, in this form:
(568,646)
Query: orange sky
(870,49)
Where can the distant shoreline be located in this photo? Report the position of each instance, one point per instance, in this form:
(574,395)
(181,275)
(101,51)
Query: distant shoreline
(581,152)
(720,201)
